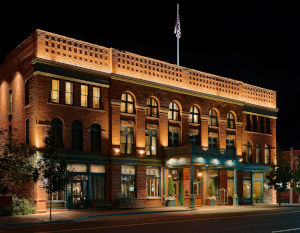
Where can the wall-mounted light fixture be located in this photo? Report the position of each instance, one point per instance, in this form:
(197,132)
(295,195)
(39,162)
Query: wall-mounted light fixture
(116,150)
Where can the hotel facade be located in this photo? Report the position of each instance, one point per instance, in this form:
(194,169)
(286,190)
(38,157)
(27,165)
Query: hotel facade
(129,125)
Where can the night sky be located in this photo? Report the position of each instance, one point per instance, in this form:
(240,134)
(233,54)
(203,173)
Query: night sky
(257,43)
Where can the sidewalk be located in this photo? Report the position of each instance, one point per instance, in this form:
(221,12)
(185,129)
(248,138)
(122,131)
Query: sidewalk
(65,215)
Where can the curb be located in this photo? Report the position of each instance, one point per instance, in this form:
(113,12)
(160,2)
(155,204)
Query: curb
(91,216)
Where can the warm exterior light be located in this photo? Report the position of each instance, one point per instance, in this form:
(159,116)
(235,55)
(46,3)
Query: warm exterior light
(141,152)
(241,160)
(199,174)
(229,162)
(116,150)
(215,161)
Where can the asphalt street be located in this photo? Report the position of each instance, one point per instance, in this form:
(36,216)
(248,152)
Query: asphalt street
(285,219)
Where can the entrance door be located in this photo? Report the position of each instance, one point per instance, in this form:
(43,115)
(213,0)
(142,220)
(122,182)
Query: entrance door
(176,186)
(79,194)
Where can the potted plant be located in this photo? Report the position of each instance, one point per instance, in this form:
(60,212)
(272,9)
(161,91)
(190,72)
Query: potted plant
(171,199)
(211,198)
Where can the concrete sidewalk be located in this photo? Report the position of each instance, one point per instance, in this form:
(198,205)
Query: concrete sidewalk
(65,215)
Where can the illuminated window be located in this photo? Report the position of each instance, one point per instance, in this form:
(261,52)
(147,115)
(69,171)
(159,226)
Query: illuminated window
(151,142)
(96,97)
(95,140)
(230,121)
(127,103)
(55,91)
(194,115)
(213,118)
(10,102)
(77,143)
(84,95)
(152,108)
(249,153)
(258,153)
(57,128)
(267,154)
(152,181)
(173,112)
(230,183)
(69,93)
(128,183)
(126,140)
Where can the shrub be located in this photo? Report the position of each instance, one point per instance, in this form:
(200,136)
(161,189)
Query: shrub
(22,206)
(171,189)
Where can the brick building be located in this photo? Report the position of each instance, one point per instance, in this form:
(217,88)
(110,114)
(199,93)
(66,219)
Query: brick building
(128,123)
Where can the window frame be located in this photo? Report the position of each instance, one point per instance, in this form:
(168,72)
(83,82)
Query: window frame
(152,106)
(84,97)
(151,135)
(127,134)
(249,152)
(95,138)
(267,155)
(57,91)
(194,115)
(258,155)
(70,93)
(172,110)
(230,120)
(96,99)
(213,145)
(127,103)
(157,178)
(213,118)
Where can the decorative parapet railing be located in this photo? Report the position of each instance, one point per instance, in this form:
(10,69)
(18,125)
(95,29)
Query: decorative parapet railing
(62,49)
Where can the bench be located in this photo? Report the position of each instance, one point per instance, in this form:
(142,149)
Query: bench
(283,200)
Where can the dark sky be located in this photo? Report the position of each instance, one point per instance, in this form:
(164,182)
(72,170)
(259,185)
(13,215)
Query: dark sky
(253,41)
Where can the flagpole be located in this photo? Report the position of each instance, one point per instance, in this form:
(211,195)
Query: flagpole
(178,36)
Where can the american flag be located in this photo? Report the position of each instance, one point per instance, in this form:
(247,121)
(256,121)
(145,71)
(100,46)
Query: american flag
(177,29)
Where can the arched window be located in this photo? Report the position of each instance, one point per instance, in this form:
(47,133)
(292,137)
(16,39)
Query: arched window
(27,92)
(213,118)
(10,104)
(267,154)
(77,144)
(173,112)
(95,140)
(249,152)
(230,121)
(57,128)
(27,131)
(127,103)
(258,153)
(152,108)
(194,115)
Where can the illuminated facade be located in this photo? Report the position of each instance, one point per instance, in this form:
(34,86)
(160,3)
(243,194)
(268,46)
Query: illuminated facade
(128,124)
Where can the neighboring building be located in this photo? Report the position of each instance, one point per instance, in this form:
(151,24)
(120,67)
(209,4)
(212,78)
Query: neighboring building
(292,156)
(129,122)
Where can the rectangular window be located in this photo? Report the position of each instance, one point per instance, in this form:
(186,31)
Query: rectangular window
(55,91)
(77,167)
(126,136)
(262,125)
(230,144)
(152,181)
(212,142)
(173,138)
(69,93)
(128,181)
(194,137)
(96,97)
(151,142)
(230,183)
(268,126)
(10,102)
(248,123)
(84,95)
(254,120)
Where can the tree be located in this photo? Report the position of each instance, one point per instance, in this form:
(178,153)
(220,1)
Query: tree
(171,189)
(295,182)
(54,174)
(17,165)
(280,174)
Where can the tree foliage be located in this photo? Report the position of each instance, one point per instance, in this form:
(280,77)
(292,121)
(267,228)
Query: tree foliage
(17,165)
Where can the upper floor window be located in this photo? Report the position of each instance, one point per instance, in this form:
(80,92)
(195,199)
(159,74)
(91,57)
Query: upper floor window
(267,154)
(173,112)
(152,108)
(84,95)
(258,153)
(254,120)
(248,122)
(10,105)
(57,129)
(55,91)
(230,121)
(268,126)
(127,103)
(213,118)
(262,125)
(194,115)
(151,142)
(68,93)
(249,152)
(77,140)
(27,92)
(212,142)
(95,139)
(27,131)
(230,145)
(96,97)
(174,136)
(126,140)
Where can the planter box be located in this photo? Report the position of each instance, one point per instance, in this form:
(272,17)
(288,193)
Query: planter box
(211,202)
(171,203)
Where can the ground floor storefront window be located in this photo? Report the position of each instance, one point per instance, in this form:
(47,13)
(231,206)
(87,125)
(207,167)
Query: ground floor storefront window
(257,187)
(152,181)
(247,188)
(128,180)
(230,183)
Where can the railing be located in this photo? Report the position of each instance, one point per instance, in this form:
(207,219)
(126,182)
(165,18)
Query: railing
(62,49)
